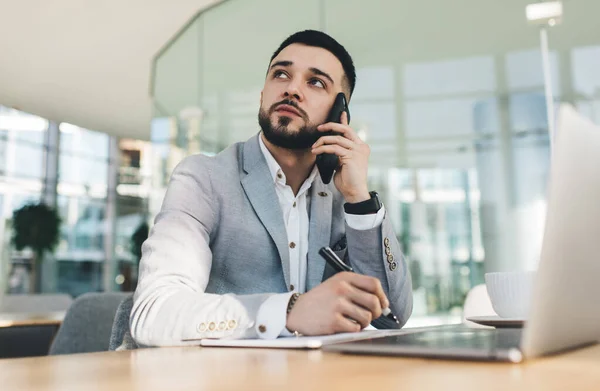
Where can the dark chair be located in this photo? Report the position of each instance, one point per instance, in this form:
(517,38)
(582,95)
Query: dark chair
(120,336)
(26,341)
(30,341)
(88,324)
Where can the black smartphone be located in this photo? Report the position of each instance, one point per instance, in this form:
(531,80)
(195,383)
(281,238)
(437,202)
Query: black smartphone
(327,163)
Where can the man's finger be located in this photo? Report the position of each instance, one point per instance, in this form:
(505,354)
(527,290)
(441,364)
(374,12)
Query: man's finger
(345,325)
(342,129)
(370,285)
(329,140)
(335,149)
(367,301)
(359,314)
(344,118)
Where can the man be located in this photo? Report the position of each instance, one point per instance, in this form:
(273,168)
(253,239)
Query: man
(234,251)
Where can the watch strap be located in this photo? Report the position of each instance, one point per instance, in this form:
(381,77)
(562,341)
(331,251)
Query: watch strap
(366,207)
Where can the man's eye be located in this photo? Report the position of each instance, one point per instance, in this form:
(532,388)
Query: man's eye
(279,75)
(317,83)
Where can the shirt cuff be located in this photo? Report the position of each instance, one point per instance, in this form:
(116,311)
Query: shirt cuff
(365,222)
(272,317)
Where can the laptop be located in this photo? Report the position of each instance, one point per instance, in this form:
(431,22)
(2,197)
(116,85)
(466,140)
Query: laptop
(564,310)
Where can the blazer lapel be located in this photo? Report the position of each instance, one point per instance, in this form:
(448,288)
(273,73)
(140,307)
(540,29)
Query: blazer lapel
(260,190)
(319,233)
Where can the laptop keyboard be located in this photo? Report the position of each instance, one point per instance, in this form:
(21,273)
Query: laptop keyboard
(451,339)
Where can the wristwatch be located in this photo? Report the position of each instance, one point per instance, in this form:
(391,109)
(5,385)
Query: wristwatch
(367,207)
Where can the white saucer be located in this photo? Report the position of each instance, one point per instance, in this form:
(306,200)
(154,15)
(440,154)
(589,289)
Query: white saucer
(498,322)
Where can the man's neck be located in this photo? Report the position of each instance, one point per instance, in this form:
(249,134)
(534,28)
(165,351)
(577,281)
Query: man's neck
(295,164)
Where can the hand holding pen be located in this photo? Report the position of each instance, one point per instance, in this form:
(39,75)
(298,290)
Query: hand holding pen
(340,266)
(346,302)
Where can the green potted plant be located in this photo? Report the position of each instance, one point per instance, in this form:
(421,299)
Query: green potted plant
(36,226)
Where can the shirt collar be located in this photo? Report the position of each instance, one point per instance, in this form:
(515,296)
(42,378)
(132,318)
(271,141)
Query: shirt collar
(275,168)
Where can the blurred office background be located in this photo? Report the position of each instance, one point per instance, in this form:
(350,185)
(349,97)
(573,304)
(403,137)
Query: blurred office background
(450,97)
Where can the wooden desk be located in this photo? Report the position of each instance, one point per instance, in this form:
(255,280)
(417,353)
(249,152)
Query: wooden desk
(243,369)
(18,319)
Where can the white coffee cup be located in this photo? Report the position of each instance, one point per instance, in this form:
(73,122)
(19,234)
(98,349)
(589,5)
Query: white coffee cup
(510,293)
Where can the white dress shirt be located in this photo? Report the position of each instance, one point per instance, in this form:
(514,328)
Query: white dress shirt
(272,314)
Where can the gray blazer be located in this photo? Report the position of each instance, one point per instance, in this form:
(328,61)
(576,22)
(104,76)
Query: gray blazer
(218,250)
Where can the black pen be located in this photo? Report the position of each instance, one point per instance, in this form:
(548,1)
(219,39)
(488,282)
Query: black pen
(339,265)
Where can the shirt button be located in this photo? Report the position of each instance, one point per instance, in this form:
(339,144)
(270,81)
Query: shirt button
(279,175)
(262,328)
(292,287)
(294,204)
(322,194)
(232,324)
(212,326)
(292,245)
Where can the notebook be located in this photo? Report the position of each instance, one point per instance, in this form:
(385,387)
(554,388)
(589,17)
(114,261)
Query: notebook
(304,342)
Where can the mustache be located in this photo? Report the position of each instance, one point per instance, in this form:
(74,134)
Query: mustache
(290,103)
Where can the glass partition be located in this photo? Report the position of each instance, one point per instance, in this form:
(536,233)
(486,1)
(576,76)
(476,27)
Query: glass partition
(450,97)
(84,259)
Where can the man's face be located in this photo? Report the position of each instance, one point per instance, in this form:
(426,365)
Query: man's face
(299,91)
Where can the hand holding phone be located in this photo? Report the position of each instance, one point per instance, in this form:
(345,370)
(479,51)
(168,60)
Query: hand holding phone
(327,163)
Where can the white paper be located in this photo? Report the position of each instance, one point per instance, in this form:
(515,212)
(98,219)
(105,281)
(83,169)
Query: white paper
(308,342)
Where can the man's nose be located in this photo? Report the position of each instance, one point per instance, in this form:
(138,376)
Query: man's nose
(293,90)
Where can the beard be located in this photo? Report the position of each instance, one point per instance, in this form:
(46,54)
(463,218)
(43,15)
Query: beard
(279,134)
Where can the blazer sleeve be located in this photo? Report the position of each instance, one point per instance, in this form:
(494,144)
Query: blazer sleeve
(170,304)
(376,252)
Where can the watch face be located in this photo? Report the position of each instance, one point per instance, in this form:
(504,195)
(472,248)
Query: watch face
(375,197)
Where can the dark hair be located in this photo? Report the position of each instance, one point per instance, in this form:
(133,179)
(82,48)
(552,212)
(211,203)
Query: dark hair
(321,40)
